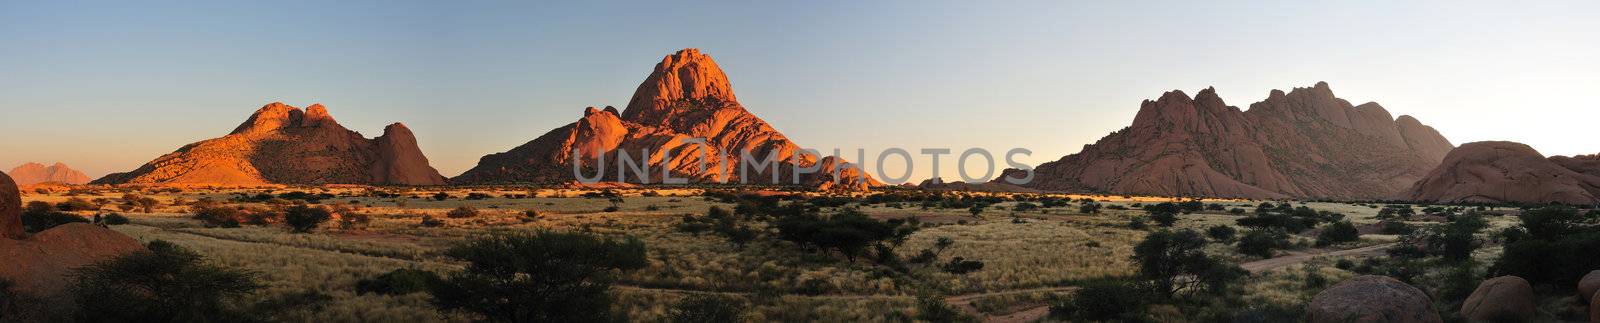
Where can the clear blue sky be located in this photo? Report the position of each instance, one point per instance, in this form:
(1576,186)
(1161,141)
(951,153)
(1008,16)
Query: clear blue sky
(107,86)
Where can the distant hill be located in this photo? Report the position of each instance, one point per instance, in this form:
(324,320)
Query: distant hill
(686,96)
(34,173)
(281,144)
(1306,143)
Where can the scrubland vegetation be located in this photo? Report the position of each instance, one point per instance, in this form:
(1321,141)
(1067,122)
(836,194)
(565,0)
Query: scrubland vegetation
(688,255)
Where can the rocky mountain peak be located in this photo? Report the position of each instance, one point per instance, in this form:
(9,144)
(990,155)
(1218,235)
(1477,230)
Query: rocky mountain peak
(34,173)
(682,81)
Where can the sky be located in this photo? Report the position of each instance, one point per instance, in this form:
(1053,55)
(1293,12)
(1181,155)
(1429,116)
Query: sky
(107,86)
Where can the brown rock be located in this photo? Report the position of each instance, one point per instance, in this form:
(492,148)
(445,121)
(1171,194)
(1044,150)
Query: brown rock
(41,265)
(1500,299)
(1501,171)
(686,97)
(35,173)
(281,144)
(1594,310)
(1371,298)
(10,210)
(1306,143)
(1589,285)
(938,184)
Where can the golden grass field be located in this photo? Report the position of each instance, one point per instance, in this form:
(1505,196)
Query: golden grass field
(1052,247)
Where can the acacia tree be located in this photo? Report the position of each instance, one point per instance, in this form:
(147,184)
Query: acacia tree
(538,277)
(1172,261)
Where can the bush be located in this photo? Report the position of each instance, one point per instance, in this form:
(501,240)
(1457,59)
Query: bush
(538,277)
(707,308)
(1551,259)
(220,216)
(1103,301)
(77,204)
(1261,243)
(303,219)
(167,283)
(961,266)
(429,221)
(1221,233)
(463,211)
(1397,227)
(398,282)
(1338,232)
(116,219)
(1165,258)
(39,216)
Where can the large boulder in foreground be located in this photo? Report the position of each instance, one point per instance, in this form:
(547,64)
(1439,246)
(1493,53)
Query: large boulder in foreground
(1371,298)
(1500,299)
(1503,171)
(42,265)
(1588,285)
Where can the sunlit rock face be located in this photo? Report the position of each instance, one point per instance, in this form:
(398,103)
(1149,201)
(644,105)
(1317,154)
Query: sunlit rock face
(281,144)
(685,98)
(1502,171)
(1306,143)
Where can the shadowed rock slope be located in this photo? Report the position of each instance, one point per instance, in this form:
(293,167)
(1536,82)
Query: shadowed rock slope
(1306,143)
(34,173)
(686,97)
(1502,171)
(281,144)
(41,265)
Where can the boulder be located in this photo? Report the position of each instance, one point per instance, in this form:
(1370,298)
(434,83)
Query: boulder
(1502,171)
(1594,310)
(1588,285)
(1371,298)
(1500,299)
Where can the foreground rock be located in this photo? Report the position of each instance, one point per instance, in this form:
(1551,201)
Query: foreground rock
(1371,298)
(41,265)
(1500,299)
(35,173)
(1589,285)
(686,97)
(1306,143)
(1502,171)
(281,144)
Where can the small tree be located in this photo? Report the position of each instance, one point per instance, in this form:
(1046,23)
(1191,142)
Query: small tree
(1221,233)
(1165,257)
(165,284)
(538,277)
(303,219)
(1338,232)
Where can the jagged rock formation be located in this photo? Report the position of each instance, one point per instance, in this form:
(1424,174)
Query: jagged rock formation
(1303,144)
(938,184)
(41,265)
(1502,171)
(34,173)
(686,97)
(281,144)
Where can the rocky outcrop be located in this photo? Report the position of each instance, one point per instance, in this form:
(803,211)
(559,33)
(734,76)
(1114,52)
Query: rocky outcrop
(1500,299)
(685,99)
(1589,285)
(281,144)
(1371,298)
(938,184)
(35,173)
(1306,143)
(41,265)
(1501,171)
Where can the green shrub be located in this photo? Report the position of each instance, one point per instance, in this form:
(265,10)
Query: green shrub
(167,283)
(39,216)
(1221,233)
(303,219)
(1103,301)
(116,219)
(398,282)
(538,277)
(220,216)
(1338,232)
(707,308)
(1261,243)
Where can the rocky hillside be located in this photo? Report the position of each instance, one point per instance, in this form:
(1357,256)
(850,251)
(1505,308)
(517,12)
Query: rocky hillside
(34,173)
(1306,143)
(686,97)
(281,144)
(1501,171)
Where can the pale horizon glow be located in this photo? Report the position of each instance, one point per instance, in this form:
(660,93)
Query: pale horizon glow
(107,86)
